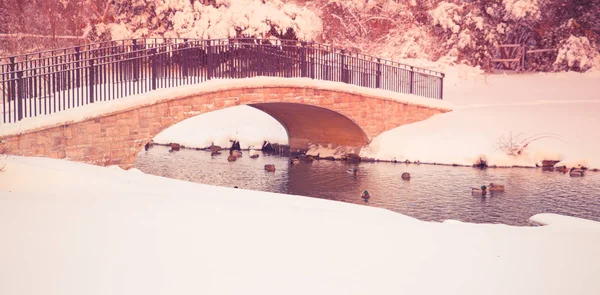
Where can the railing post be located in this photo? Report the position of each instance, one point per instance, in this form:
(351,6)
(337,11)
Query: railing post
(91,81)
(442,86)
(154,67)
(342,67)
(136,61)
(303,60)
(312,67)
(232,57)
(412,73)
(20,88)
(378,74)
(12,90)
(184,61)
(78,65)
(208,60)
(259,68)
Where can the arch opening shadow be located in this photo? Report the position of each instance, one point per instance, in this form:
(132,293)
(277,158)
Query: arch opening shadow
(307,124)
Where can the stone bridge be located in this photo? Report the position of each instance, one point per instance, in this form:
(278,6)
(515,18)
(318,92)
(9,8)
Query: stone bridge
(311,113)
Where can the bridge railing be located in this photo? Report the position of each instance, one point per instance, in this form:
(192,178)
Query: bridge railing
(51,81)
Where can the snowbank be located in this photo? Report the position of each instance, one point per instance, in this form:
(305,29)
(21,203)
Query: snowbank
(250,126)
(470,133)
(562,106)
(82,229)
(556,220)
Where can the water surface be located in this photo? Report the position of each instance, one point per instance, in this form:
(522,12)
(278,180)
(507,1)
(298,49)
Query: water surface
(434,193)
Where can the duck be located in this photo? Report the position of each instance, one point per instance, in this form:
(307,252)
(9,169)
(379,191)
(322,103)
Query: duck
(231,158)
(576,172)
(479,191)
(295,161)
(270,167)
(235,153)
(496,187)
(352,171)
(149,145)
(562,169)
(366,195)
(406,176)
(254,156)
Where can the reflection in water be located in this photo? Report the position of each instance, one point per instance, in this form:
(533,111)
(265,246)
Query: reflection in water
(434,193)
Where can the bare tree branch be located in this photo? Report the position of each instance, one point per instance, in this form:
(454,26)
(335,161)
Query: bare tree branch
(514,145)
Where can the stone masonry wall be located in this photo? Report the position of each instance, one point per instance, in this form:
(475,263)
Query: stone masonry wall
(116,138)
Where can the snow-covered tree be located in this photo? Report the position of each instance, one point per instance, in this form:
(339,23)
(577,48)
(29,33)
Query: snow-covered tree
(461,31)
(40,24)
(120,19)
(387,28)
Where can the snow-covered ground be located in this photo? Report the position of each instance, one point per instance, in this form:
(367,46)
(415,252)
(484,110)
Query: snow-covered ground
(71,228)
(561,106)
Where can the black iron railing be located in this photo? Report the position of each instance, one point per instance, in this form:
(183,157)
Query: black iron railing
(46,82)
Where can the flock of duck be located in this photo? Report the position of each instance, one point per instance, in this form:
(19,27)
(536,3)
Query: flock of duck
(483,190)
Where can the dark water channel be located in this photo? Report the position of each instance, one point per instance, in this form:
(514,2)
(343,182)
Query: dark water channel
(434,193)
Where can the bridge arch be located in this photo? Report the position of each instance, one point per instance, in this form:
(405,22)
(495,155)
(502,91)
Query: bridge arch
(310,112)
(306,124)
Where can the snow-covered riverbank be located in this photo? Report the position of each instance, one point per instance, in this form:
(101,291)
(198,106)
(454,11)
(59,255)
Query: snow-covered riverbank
(560,107)
(71,228)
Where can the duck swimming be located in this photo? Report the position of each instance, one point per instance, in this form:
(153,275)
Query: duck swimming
(352,171)
(496,187)
(576,172)
(295,160)
(479,191)
(366,195)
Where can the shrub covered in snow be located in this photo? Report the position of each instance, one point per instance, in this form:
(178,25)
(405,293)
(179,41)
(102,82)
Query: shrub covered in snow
(379,27)
(576,53)
(205,19)
(521,9)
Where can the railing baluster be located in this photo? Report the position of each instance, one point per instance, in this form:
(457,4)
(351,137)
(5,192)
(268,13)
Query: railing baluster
(154,68)
(55,80)
(442,86)
(20,94)
(11,86)
(91,76)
